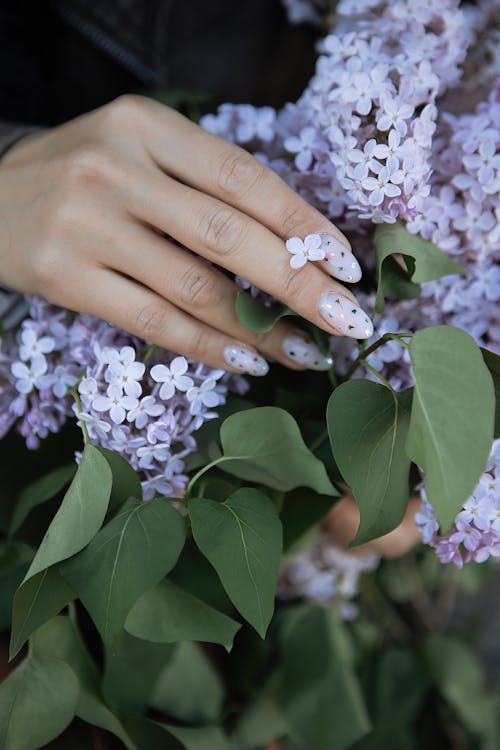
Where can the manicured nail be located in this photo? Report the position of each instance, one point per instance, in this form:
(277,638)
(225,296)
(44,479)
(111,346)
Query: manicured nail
(246,360)
(304,351)
(339,261)
(345,316)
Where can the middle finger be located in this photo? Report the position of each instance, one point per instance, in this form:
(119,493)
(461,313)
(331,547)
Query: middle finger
(240,244)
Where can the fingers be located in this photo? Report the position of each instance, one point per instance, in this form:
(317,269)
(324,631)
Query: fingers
(227,172)
(199,289)
(143,313)
(235,241)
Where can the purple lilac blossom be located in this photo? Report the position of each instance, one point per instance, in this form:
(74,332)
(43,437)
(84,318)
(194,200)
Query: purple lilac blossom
(475,534)
(148,412)
(326,575)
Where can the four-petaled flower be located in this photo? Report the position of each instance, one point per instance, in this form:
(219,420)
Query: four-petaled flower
(305,146)
(304,250)
(203,395)
(393,114)
(147,407)
(366,160)
(172,377)
(126,374)
(32,346)
(380,186)
(32,376)
(116,402)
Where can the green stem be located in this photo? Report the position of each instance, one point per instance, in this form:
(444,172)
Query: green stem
(318,441)
(377,374)
(204,470)
(76,396)
(333,378)
(149,354)
(376,345)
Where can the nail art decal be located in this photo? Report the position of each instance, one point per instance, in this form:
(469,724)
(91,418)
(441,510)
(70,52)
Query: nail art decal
(245,360)
(345,316)
(340,262)
(304,351)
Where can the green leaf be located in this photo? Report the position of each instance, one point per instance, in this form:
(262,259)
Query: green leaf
(242,538)
(80,515)
(429,262)
(451,426)
(189,688)
(39,492)
(458,674)
(126,482)
(201,738)
(129,555)
(40,598)
(37,702)
(262,720)
(492,362)
(143,660)
(320,694)
(15,558)
(149,735)
(167,614)
(78,519)
(59,639)
(256,316)
(301,510)
(265,445)
(368,424)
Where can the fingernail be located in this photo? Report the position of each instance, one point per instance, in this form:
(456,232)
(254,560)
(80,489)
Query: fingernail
(345,316)
(245,360)
(339,260)
(305,352)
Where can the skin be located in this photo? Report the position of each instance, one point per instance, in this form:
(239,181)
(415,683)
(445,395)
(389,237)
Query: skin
(84,208)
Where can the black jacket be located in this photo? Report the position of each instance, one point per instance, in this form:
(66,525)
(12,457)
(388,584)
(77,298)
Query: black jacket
(59,58)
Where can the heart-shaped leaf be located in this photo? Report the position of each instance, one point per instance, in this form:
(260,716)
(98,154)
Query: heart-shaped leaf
(265,445)
(129,555)
(242,538)
(39,492)
(168,613)
(451,426)
(259,317)
(368,425)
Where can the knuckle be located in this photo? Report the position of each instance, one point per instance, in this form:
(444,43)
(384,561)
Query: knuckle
(151,322)
(89,164)
(199,287)
(197,345)
(293,286)
(124,110)
(46,267)
(238,173)
(222,231)
(293,218)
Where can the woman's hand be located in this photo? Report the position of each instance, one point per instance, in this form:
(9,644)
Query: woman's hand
(343,520)
(84,208)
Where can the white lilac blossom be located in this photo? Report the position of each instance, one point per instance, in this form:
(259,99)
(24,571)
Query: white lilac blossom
(475,534)
(130,398)
(303,250)
(326,575)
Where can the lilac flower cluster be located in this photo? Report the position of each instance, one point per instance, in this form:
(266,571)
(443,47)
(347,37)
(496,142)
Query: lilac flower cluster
(327,575)
(475,534)
(124,395)
(357,144)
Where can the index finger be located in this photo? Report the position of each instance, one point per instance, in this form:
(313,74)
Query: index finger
(227,172)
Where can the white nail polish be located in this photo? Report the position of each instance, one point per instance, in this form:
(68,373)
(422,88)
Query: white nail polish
(245,360)
(339,261)
(305,352)
(345,316)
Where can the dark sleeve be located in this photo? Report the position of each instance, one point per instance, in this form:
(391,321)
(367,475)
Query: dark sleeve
(24,43)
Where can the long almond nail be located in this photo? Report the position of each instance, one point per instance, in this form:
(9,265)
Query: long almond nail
(304,351)
(245,360)
(339,261)
(345,316)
